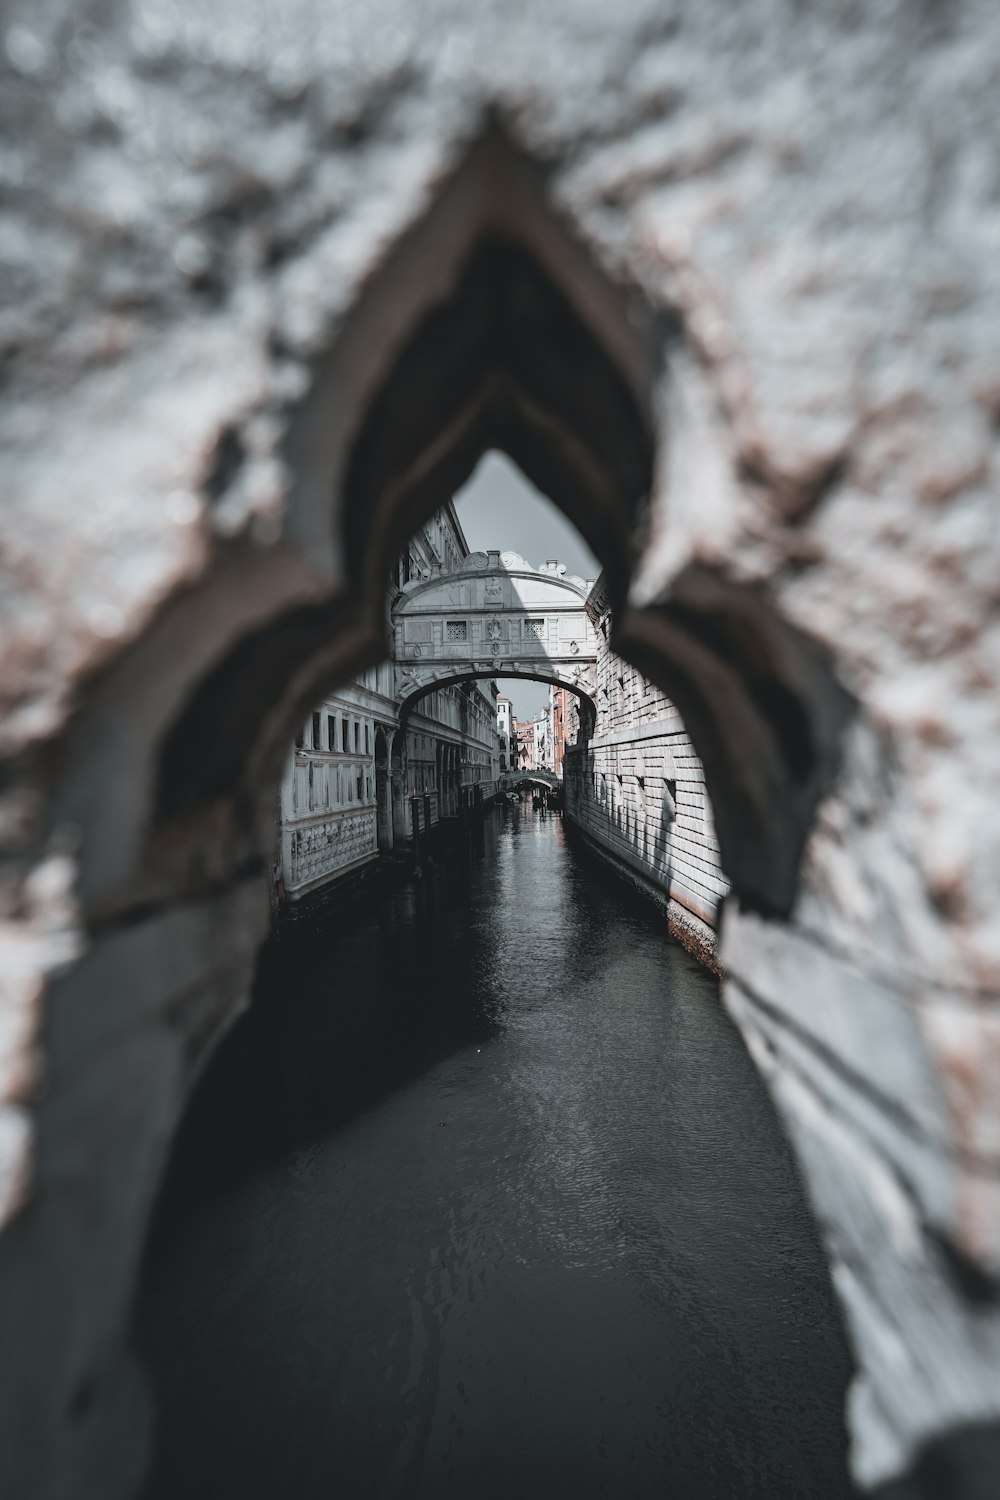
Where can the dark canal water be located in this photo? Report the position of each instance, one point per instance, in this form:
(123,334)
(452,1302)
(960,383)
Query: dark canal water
(483,1198)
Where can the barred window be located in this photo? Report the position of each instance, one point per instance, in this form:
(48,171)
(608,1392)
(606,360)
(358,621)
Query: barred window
(458,630)
(535,628)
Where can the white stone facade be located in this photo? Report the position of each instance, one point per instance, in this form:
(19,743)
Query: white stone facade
(350,779)
(328,805)
(543,742)
(637,789)
(505,729)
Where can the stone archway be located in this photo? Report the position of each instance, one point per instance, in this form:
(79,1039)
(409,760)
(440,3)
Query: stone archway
(488,325)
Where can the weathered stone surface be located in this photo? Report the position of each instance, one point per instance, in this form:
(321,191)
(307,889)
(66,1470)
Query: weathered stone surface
(784,238)
(127,1029)
(928,1357)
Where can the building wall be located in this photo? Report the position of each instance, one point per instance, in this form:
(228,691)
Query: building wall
(564,708)
(637,790)
(453,727)
(505,729)
(327,799)
(543,747)
(448,746)
(524,735)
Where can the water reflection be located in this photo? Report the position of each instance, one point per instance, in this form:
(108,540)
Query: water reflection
(483,1197)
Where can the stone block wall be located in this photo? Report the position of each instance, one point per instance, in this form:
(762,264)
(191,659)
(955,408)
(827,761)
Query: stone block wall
(636,790)
(327,822)
(642,797)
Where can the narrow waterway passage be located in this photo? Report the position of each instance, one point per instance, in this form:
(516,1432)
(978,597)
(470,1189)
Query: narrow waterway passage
(484,1198)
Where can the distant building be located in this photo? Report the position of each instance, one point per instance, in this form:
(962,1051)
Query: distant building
(542,741)
(505,729)
(524,743)
(564,724)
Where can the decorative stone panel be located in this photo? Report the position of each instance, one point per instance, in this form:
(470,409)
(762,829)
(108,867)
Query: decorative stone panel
(320,848)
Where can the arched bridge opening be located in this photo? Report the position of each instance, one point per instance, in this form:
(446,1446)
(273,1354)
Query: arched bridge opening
(414,689)
(488,328)
(547,779)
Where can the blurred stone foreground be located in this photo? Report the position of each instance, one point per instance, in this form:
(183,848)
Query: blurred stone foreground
(221,223)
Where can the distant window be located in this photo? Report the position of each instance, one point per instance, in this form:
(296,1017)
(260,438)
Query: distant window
(361,784)
(345,730)
(457,630)
(331,731)
(317,731)
(357,735)
(367,749)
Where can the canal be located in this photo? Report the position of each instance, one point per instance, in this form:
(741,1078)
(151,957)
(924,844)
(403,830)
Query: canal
(484,1198)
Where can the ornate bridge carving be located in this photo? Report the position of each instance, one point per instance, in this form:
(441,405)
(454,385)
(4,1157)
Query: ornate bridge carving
(495,616)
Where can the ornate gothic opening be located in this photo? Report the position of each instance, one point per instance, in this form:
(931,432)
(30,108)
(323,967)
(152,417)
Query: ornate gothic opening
(489,325)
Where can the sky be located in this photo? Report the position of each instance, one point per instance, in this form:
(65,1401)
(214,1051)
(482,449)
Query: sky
(498,508)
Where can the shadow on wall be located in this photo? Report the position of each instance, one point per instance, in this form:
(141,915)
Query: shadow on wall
(640,846)
(630,833)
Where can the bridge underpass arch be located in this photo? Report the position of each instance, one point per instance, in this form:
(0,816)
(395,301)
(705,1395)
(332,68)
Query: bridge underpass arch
(542,778)
(415,687)
(488,326)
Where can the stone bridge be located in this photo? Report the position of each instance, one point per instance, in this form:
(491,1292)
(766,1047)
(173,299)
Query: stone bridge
(495,616)
(543,778)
